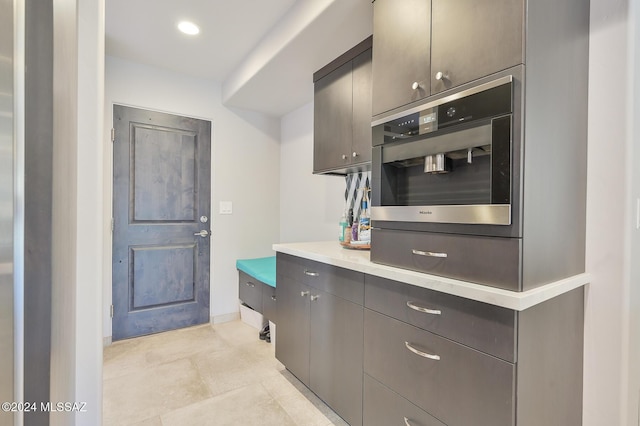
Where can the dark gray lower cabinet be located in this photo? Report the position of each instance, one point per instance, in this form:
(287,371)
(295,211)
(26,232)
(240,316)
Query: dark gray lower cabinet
(384,407)
(382,352)
(292,341)
(335,354)
(454,383)
(320,329)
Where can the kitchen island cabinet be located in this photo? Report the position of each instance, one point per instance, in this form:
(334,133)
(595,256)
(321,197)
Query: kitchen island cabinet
(433,350)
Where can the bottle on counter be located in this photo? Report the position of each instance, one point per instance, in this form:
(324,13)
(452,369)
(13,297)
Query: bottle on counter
(364,225)
(347,230)
(343,227)
(354,229)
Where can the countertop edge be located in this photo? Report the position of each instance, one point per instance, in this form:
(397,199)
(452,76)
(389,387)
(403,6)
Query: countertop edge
(331,253)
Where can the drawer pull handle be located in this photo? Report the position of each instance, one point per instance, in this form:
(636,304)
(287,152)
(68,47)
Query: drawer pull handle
(304,293)
(311,273)
(406,422)
(314,298)
(250,284)
(422,354)
(428,253)
(273,298)
(425,310)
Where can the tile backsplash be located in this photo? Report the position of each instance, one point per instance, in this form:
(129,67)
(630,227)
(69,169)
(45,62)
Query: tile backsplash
(355,185)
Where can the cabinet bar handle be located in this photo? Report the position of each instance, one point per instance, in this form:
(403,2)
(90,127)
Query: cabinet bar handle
(250,284)
(406,422)
(422,354)
(428,253)
(311,273)
(273,298)
(425,310)
(314,298)
(304,293)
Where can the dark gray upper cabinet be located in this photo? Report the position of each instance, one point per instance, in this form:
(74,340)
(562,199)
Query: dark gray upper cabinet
(474,38)
(342,113)
(423,47)
(401,53)
(361,142)
(333,120)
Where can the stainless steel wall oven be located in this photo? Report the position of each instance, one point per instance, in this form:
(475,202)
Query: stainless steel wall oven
(447,187)
(450,165)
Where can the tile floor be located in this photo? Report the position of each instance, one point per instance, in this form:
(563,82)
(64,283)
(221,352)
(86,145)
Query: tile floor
(205,375)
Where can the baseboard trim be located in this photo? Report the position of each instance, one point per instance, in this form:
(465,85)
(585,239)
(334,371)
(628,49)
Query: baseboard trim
(218,319)
(106,341)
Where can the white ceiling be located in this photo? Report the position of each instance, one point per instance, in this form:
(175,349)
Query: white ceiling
(262,52)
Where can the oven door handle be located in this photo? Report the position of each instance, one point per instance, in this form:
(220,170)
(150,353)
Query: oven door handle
(428,253)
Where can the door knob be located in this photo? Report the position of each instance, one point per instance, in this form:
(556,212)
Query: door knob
(204,233)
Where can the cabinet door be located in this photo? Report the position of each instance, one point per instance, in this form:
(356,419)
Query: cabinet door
(401,47)
(292,344)
(269,305)
(361,148)
(384,407)
(474,38)
(250,291)
(452,382)
(332,119)
(335,355)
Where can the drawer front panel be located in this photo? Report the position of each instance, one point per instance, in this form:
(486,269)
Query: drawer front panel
(485,327)
(269,302)
(384,407)
(490,261)
(456,384)
(340,282)
(250,291)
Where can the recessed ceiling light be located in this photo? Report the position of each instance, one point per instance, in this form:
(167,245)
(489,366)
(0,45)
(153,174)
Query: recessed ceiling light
(188,28)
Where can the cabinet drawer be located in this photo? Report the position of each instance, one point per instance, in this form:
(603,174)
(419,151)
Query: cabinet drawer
(269,302)
(484,260)
(456,384)
(250,291)
(384,407)
(340,282)
(485,327)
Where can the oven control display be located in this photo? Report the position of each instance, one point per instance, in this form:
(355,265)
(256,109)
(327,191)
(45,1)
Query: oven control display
(428,120)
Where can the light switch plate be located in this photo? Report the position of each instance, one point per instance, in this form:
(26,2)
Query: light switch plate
(226,207)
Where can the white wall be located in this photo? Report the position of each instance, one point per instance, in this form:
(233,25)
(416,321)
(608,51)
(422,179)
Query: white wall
(633,162)
(78,75)
(245,170)
(310,205)
(88,351)
(607,316)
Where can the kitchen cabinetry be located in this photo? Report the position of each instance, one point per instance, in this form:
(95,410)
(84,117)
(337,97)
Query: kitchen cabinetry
(320,329)
(342,113)
(474,38)
(404,354)
(423,47)
(426,354)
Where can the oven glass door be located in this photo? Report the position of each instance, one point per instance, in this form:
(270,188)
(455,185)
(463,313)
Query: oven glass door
(461,176)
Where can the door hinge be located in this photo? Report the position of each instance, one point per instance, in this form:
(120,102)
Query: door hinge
(113,134)
(111,311)
(113,224)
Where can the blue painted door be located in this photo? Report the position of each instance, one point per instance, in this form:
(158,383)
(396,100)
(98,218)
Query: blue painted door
(161,229)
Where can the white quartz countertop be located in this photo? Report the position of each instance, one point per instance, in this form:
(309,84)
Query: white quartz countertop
(332,253)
